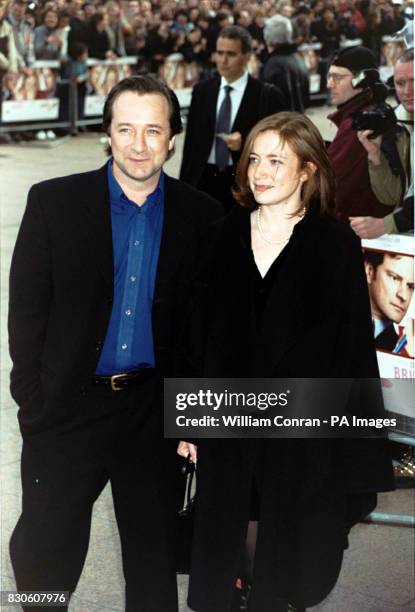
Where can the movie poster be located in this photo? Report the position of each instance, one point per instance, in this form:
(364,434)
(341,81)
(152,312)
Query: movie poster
(389,266)
(102,76)
(30,95)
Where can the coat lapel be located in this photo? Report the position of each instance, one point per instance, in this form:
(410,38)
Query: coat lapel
(96,222)
(173,239)
(248,104)
(210,110)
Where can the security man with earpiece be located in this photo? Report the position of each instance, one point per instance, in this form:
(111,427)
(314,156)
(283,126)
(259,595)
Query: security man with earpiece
(348,156)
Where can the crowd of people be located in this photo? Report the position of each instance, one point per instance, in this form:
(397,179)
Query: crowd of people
(153,31)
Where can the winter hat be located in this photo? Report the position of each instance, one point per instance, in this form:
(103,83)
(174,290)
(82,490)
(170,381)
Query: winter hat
(354,59)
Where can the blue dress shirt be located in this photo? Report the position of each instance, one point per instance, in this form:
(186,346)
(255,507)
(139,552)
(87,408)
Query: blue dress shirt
(136,238)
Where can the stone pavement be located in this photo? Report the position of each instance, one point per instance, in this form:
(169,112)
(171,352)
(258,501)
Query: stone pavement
(378,571)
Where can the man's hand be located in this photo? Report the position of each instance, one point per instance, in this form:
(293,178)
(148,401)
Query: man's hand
(185,449)
(234,141)
(372,146)
(368,227)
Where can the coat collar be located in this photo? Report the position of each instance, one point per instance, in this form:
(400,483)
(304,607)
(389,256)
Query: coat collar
(175,227)
(94,196)
(358,102)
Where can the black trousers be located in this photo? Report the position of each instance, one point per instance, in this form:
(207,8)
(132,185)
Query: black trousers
(111,436)
(218,184)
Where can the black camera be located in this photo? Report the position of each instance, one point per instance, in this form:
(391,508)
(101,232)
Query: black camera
(381,118)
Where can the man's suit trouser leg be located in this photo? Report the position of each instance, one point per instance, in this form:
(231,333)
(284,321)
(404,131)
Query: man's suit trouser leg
(142,474)
(50,541)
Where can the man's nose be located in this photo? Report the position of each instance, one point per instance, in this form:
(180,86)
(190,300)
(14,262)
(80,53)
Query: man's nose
(139,140)
(403,292)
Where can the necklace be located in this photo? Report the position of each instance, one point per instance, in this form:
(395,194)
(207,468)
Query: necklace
(261,233)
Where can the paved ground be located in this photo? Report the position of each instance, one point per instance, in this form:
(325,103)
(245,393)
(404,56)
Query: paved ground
(378,572)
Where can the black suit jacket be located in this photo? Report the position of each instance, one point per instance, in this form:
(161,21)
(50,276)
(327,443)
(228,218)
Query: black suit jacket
(387,339)
(257,102)
(61,287)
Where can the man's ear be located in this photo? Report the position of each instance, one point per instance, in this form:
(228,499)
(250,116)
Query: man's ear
(172,142)
(370,272)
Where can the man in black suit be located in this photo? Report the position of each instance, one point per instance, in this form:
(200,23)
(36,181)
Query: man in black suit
(100,281)
(222,112)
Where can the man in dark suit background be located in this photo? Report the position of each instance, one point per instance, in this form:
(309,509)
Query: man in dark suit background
(222,112)
(100,280)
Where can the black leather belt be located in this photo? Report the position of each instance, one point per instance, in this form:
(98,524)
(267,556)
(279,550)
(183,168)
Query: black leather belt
(118,382)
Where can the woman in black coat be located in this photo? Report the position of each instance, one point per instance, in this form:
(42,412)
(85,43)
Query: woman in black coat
(286,297)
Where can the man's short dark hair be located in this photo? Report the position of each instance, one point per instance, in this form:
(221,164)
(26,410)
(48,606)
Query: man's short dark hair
(141,85)
(235,32)
(406,57)
(374,257)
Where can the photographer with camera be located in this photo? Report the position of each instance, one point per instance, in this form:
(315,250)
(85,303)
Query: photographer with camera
(391,176)
(349,90)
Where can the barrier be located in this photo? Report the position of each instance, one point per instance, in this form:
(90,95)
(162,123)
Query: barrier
(46,96)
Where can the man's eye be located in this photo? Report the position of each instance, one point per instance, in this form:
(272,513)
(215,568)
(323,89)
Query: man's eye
(153,132)
(124,130)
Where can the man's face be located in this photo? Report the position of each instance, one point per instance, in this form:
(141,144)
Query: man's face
(140,135)
(339,83)
(403,76)
(391,286)
(230,61)
(18,10)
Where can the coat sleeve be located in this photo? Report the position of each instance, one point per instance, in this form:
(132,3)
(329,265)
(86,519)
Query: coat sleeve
(385,185)
(29,301)
(189,141)
(366,461)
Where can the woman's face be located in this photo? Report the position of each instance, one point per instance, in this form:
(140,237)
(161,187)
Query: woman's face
(30,87)
(51,20)
(273,171)
(94,75)
(112,79)
(49,78)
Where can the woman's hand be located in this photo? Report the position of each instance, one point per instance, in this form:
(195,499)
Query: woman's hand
(185,449)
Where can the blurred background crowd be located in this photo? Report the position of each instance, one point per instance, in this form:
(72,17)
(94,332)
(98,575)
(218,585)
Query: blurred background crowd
(176,38)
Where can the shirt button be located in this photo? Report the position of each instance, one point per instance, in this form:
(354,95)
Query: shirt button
(136,242)
(124,346)
(128,312)
(133,279)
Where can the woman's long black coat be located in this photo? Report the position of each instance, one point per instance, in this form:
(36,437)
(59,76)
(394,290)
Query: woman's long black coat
(316,323)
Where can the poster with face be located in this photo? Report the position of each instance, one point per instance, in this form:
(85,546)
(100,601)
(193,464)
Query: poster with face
(31,95)
(389,266)
(102,76)
(310,54)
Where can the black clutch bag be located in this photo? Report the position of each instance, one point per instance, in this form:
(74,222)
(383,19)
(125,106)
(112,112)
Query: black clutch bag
(185,517)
